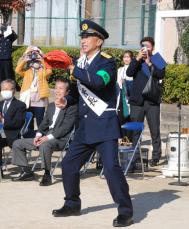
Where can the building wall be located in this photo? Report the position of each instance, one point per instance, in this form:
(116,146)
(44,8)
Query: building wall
(170,33)
(126,21)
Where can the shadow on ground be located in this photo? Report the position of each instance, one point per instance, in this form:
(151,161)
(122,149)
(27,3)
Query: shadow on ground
(143,203)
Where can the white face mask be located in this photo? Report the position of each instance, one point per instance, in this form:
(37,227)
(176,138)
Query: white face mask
(6,94)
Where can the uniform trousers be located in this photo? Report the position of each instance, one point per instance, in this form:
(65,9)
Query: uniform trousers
(46,149)
(6,70)
(152,114)
(76,157)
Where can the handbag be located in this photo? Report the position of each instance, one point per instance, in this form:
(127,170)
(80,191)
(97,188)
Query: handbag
(153,90)
(25,97)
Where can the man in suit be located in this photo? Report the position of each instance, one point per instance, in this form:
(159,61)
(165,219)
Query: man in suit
(98,126)
(12,115)
(52,135)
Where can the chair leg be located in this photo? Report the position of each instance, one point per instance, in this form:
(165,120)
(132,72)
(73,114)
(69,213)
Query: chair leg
(142,164)
(87,163)
(101,173)
(131,159)
(6,156)
(35,163)
(56,165)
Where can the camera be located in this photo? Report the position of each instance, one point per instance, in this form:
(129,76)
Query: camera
(33,56)
(144,48)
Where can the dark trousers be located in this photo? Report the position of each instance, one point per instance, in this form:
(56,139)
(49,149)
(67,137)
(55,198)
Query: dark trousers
(6,70)
(75,158)
(152,114)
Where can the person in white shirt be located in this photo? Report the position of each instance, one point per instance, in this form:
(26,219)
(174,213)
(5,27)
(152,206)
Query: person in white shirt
(52,135)
(122,76)
(125,84)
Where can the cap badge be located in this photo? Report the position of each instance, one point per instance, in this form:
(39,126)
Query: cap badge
(85,27)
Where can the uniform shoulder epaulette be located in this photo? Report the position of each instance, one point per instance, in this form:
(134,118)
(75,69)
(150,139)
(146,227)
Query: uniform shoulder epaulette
(106,55)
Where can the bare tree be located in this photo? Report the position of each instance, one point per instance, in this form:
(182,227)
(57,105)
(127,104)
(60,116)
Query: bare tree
(7,7)
(181,23)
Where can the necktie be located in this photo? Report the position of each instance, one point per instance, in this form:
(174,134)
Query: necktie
(5,108)
(86,66)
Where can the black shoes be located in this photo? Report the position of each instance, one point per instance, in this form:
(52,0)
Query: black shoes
(122,221)
(24,177)
(154,162)
(46,180)
(67,211)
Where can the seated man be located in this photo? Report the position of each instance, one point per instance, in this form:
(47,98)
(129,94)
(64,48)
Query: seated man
(12,115)
(52,135)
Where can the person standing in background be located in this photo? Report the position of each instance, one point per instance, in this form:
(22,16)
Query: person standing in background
(141,68)
(7,37)
(125,84)
(34,90)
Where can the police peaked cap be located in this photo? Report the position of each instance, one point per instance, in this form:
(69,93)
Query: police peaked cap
(91,28)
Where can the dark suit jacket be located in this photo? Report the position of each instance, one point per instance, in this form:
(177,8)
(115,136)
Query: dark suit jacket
(14,119)
(63,125)
(140,80)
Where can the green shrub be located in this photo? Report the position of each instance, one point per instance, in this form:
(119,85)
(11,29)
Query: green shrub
(176,83)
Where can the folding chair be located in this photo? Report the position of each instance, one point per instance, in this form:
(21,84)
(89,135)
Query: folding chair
(62,154)
(133,126)
(23,131)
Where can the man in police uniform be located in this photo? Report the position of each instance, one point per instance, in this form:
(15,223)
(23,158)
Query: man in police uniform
(98,126)
(6,66)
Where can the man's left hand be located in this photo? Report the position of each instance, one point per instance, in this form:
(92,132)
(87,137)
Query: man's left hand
(42,140)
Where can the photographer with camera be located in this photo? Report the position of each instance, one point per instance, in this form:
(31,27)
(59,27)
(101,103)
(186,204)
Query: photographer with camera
(35,90)
(7,37)
(145,68)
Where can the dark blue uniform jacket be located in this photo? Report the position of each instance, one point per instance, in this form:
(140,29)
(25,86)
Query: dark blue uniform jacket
(6,46)
(93,128)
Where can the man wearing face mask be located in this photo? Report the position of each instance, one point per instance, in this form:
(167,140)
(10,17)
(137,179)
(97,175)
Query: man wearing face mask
(12,115)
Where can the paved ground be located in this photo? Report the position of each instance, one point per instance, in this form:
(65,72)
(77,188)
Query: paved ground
(156,203)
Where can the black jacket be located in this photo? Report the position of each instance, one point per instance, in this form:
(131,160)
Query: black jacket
(14,118)
(140,80)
